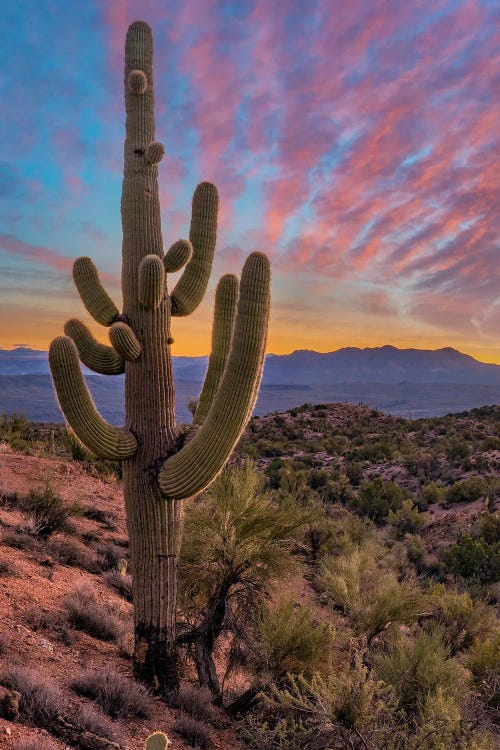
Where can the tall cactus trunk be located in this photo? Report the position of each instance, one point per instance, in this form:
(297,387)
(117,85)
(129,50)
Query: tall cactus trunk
(153,522)
(159,473)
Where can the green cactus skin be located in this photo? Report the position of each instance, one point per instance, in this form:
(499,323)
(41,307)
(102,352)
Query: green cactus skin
(151,281)
(190,471)
(158,474)
(94,297)
(191,287)
(76,404)
(177,256)
(226,299)
(124,341)
(157,741)
(97,357)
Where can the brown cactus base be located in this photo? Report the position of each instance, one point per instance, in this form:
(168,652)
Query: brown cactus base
(156,661)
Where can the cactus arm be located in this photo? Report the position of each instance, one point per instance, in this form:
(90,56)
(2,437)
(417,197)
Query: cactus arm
(177,256)
(94,296)
(98,357)
(197,464)
(151,282)
(124,341)
(103,439)
(226,298)
(189,290)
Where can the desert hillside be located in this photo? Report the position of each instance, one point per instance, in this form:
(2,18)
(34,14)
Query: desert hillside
(415,502)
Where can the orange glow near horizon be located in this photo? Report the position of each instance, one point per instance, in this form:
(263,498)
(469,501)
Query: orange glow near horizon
(193,340)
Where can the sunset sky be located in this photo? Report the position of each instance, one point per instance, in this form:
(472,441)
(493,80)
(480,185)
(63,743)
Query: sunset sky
(357,143)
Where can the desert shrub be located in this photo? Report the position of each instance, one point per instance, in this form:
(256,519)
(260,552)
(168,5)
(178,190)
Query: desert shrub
(460,618)
(70,553)
(489,528)
(484,663)
(467,491)
(106,517)
(474,559)
(417,668)
(10,499)
(117,695)
(370,597)
(39,619)
(19,539)
(34,743)
(376,498)
(374,452)
(7,568)
(406,520)
(419,463)
(457,449)
(196,702)
(121,583)
(89,719)
(433,493)
(354,472)
(338,711)
(288,640)
(194,731)
(74,446)
(85,612)
(48,512)
(318,478)
(41,701)
(415,550)
(109,554)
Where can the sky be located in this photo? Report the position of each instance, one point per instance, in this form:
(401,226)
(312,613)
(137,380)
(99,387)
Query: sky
(357,144)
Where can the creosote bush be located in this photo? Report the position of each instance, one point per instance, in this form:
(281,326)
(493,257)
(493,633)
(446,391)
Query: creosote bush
(377,498)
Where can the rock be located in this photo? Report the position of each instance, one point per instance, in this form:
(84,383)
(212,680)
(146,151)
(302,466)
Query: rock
(9,703)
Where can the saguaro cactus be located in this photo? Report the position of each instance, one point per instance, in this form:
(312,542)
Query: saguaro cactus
(161,467)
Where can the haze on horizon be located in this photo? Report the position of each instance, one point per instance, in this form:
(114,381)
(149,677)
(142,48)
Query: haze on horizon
(356,145)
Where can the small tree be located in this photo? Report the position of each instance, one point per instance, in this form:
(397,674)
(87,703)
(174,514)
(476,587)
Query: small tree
(236,542)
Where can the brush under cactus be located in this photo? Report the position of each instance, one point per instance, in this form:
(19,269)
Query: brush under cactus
(161,467)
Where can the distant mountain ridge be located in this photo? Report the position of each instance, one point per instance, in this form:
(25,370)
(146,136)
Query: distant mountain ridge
(385,364)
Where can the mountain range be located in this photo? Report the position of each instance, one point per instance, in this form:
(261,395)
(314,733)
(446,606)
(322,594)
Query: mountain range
(400,381)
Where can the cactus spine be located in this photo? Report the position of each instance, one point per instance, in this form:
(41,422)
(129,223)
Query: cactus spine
(159,473)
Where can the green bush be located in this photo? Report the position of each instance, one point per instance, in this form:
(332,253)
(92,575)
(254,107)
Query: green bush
(288,640)
(433,493)
(489,528)
(474,559)
(467,491)
(406,520)
(370,596)
(48,512)
(461,620)
(376,498)
(417,668)
(484,663)
(354,472)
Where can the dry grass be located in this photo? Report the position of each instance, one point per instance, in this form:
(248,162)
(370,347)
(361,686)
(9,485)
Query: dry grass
(117,695)
(86,613)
